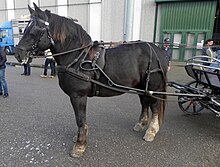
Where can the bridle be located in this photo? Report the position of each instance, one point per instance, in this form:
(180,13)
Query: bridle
(34,48)
(44,29)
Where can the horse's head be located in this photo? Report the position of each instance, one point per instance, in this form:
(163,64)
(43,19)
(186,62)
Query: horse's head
(36,36)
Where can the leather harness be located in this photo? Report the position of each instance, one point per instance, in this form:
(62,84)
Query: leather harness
(96,59)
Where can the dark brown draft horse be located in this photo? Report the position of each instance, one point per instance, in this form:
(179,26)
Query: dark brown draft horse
(131,67)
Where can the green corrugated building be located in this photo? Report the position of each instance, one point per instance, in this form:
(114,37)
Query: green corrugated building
(189,23)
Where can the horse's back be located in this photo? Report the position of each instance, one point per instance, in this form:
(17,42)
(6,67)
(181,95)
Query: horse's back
(133,58)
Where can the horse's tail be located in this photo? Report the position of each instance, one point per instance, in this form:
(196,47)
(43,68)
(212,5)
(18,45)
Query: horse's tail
(161,113)
(162,105)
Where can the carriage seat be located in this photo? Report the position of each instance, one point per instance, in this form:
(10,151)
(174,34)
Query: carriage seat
(204,69)
(203,76)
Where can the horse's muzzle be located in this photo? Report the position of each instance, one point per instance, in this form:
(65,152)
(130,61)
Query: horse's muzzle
(23,56)
(17,54)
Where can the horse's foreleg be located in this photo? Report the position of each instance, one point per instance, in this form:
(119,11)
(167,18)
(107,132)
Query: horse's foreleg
(157,118)
(143,119)
(79,105)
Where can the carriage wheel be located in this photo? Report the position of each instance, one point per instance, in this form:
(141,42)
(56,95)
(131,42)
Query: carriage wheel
(191,105)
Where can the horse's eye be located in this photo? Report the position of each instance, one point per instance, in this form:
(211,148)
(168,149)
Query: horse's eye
(35,31)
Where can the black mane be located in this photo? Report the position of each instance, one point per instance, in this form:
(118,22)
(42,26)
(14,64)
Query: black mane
(63,28)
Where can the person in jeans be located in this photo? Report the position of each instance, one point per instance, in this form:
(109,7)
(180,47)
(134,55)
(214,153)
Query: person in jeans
(49,60)
(3,83)
(27,69)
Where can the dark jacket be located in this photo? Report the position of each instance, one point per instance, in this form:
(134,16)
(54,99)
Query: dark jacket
(2,59)
(168,54)
(204,53)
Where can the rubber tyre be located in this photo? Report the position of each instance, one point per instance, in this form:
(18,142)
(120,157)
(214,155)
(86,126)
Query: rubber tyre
(7,51)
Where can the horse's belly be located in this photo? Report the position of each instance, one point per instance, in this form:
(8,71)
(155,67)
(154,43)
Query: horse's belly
(103,92)
(73,86)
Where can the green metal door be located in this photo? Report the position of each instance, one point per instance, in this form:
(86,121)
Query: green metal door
(187,24)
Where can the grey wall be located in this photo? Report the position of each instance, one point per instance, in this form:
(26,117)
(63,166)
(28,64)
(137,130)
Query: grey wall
(112,20)
(47,3)
(81,13)
(148,20)
(21,4)
(112,17)
(3,12)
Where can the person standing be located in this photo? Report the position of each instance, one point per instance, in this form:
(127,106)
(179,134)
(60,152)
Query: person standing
(3,83)
(207,51)
(216,64)
(49,60)
(168,52)
(27,69)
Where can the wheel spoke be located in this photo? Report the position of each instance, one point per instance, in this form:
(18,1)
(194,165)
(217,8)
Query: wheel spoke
(189,105)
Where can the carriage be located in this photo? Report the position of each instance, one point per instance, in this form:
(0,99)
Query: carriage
(204,90)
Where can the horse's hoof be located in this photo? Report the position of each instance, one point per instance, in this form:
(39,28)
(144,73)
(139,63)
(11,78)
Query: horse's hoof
(138,127)
(75,154)
(77,151)
(149,137)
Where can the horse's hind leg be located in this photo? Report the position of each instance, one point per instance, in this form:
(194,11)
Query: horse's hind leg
(157,117)
(79,105)
(143,119)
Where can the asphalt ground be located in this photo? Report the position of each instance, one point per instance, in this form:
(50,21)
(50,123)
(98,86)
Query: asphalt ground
(38,128)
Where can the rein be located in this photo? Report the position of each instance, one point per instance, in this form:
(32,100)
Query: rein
(119,88)
(70,51)
(66,52)
(84,77)
(87,46)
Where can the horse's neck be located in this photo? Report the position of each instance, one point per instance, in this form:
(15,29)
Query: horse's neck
(77,38)
(70,45)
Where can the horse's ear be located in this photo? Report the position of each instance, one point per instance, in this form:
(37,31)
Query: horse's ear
(37,9)
(30,10)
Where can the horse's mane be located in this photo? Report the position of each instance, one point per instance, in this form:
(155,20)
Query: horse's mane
(65,28)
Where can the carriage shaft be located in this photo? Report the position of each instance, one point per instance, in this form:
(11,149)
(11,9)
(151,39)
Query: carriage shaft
(175,94)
